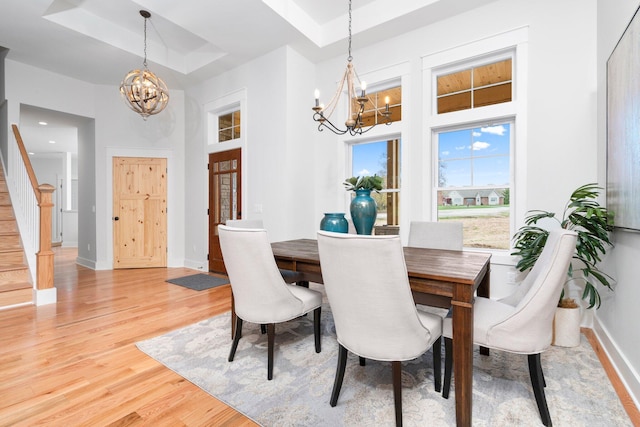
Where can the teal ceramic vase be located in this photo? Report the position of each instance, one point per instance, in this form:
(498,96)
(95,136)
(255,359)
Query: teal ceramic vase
(363,211)
(335,222)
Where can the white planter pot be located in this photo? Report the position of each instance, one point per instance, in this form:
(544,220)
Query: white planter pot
(566,327)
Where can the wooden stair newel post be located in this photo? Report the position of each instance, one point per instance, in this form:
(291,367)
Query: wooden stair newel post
(44,257)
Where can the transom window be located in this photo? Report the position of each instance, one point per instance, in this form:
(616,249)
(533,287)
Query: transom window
(475,87)
(378,104)
(229,126)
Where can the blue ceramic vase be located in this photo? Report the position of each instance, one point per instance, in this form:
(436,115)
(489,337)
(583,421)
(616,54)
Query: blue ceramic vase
(363,211)
(335,222)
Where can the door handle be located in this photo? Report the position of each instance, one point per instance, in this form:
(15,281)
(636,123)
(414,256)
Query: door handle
(116,218)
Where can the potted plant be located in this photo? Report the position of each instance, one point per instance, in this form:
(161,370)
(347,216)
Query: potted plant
(363,207)
(593,223)
(370,182)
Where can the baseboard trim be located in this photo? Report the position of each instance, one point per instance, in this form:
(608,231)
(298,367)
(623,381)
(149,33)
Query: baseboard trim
(624,379)
(195,264)
(86,263)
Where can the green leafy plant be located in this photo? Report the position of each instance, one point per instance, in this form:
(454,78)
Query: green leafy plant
(373,183)
(591,221)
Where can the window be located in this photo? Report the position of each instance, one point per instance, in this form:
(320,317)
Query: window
(475,87)
(381,158)
(229,126)
(378,104)
(473,182)
(475,97)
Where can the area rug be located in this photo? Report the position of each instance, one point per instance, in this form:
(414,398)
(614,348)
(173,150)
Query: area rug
(199,282)
(578,390)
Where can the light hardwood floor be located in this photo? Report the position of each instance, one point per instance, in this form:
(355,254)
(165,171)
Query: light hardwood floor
(75,363)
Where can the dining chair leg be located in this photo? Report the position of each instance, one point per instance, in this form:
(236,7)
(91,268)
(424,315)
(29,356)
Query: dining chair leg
(271,333)
(337,383)
(537,381)
(437,364)
(236,339)
(363,361)
(396,369)
(263,329)
(316,327)
(448,366)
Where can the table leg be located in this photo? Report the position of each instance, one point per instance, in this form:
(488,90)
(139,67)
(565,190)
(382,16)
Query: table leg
(484,290)
(463,353)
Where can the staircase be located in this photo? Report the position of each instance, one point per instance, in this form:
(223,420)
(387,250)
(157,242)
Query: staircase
(15,282)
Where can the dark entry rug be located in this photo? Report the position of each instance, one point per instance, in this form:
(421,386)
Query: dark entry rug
(199,282)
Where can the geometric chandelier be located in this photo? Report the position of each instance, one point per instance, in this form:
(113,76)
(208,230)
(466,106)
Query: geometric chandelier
(356,104)
(143,91)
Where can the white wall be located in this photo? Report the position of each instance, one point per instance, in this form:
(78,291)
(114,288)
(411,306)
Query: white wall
(117,132)
(121,132)
(616,323)
(277,150)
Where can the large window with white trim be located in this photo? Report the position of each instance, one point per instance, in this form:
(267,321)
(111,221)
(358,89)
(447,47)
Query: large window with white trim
(474,179)
(473,104)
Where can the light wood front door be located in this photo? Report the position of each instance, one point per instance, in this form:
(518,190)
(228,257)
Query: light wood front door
(225,191)
(139,212)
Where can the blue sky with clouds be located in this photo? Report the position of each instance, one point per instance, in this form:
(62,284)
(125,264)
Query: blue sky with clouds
(471,157)
(475,157)
(368,158)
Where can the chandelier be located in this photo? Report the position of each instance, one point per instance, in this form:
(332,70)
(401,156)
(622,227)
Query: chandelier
(354,124)
(143,91)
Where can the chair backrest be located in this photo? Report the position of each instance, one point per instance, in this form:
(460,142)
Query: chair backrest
(260,294)
(366,282)
(245,223)
(529,328)
(436,235)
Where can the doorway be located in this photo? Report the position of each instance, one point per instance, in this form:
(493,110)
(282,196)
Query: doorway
(225,195)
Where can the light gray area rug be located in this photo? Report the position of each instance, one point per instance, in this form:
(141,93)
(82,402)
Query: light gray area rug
(578,390)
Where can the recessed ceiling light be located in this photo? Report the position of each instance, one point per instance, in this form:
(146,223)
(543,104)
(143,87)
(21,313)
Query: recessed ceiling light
(42,123)
(52,142)
(31,153)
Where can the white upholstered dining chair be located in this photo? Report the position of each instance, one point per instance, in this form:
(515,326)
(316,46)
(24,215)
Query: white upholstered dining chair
(525,328)
(259,291)
(436,235)
(289,276)
(367,285)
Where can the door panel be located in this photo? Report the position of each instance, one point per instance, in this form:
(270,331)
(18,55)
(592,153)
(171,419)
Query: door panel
(225,197)
(139,212)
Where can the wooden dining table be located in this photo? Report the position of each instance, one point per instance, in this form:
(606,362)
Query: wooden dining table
(441,278)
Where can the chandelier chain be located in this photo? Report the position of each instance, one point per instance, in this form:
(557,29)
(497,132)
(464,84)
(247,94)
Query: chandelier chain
(145,43)
(349,58)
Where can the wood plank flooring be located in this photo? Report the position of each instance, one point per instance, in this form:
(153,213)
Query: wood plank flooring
(75,363)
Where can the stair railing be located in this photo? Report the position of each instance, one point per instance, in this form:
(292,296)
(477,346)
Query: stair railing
(32,205)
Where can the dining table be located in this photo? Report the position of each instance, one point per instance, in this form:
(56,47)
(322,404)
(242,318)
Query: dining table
(440,278)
